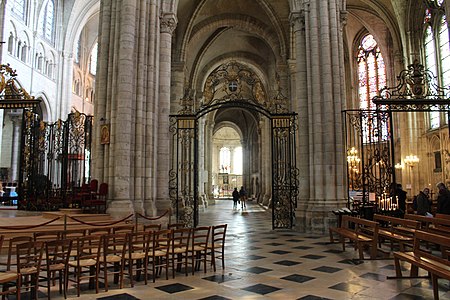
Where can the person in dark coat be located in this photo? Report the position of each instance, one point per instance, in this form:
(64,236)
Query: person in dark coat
(443,199)
(235,198)
(401,197)
(423,202)
(243,197)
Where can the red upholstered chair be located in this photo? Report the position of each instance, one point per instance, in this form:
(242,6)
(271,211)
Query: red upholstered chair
(100,200)
(94,186)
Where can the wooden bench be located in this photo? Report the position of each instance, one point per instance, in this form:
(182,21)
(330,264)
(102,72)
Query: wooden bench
(432,225)
(396,230)
(435,262)
(361,232)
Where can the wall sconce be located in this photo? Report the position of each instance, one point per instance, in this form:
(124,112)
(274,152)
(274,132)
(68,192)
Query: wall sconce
(399,166)
(352,156)
(411,160)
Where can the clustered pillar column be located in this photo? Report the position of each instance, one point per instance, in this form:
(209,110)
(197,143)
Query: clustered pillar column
(133,99)
(320,97)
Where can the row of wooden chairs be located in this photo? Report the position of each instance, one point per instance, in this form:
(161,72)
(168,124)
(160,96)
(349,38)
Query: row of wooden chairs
(104,252)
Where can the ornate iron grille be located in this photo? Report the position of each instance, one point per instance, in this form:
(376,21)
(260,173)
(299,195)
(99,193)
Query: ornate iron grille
(284,175)
(55,160)
(183,183)
(369,133)
(232,85)
(370,154)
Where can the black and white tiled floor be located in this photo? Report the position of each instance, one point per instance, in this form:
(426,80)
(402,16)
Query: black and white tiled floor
(282,264)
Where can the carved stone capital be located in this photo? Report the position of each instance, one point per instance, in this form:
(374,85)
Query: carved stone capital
(168,23)
(297,20)
(344,17)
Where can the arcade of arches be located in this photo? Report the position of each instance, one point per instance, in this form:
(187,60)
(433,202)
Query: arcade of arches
(132,64)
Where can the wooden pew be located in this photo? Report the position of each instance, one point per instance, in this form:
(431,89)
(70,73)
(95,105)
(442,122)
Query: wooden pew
(435,262)
(400,231)
(361,232)
(432,225)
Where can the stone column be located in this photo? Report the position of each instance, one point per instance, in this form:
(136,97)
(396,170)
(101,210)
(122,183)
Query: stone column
(324,104)
(301,106)
(17,125)
(168,22)
(2,26)
(266,175)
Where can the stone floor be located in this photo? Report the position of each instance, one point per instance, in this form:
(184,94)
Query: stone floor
(262,263)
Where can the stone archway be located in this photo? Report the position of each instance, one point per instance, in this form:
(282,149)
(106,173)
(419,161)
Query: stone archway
(230,86)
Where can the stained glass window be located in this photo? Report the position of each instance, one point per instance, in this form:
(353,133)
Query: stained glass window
(437,54)
(371,79)
(77,54)
(47,21)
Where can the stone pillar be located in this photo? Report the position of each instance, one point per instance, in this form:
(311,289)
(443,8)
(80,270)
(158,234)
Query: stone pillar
(126,90)
(2,26)
(64,91)
(266,176)
(17,125)
(324,102)
(168,22)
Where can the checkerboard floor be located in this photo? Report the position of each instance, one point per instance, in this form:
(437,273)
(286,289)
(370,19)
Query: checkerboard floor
(262,263)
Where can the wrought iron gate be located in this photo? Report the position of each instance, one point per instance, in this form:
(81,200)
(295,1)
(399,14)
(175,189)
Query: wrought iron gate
(233,85)
(55,160)
(370,134)
(370,154)
(183,185)
(284,171)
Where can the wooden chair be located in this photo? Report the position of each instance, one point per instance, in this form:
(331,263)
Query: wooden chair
(198,249)
(175,226)
(94,186)
(159,254)
(99,231)
(128,228)
(179,249)
(136,259)
(73,233)
(10,259)
(57,254)
(10,282)
(86,263)
(151,227)
(28,262)
(100,199)
(43,236)
(112,260)
(217,246)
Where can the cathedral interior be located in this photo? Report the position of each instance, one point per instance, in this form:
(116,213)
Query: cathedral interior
(312,105)
(181,101)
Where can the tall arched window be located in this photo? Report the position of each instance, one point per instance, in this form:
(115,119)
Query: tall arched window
(19,8)
(47,21)
(436,52)
(224,160)
(24,53)
(93,60)
(237,161)
(77,54)
(371,71)
(371,79)
(11,43)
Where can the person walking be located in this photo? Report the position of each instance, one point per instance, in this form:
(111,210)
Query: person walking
(243,197)
(235,198)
